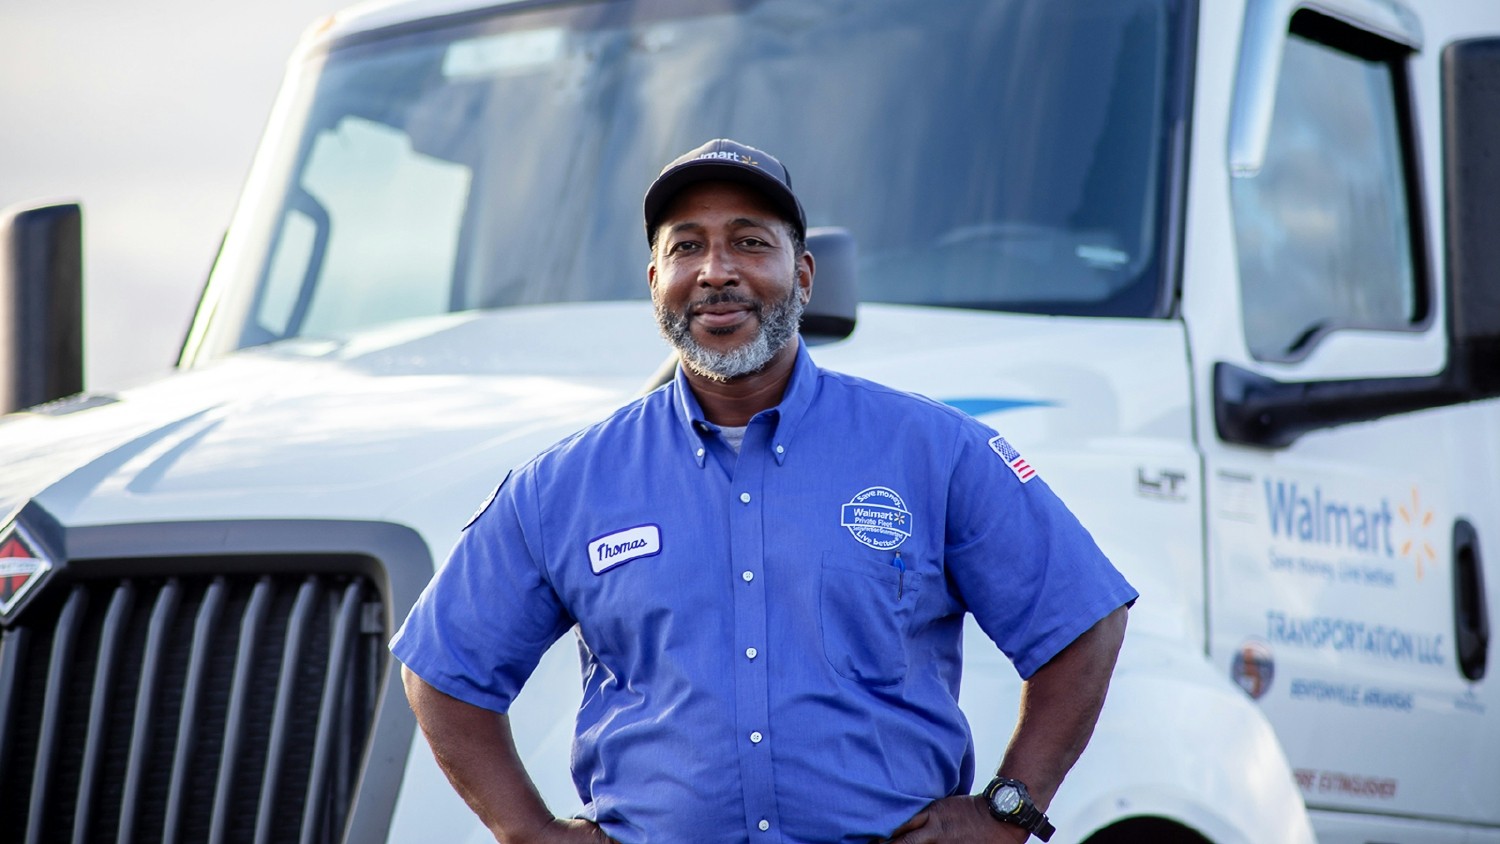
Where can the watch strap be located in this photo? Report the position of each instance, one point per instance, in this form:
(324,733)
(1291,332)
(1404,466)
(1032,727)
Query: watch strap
(1027,815)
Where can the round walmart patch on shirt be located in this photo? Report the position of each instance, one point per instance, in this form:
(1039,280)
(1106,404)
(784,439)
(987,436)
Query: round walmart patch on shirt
(877,517)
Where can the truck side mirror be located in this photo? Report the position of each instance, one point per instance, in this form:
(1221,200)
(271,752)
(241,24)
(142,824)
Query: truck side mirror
(1471,177)
(41,305)
(831,312)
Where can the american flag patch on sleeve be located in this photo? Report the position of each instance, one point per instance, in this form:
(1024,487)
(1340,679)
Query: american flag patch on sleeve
(1013,459)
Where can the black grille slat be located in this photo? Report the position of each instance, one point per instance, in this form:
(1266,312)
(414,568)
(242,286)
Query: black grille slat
(13,648)
(28,699)
(59,668)
(298,626)
(124,694)
(346,631)
(252,629)
(202,649)
(111,638)
(189,707)
(163,613)
(166,737)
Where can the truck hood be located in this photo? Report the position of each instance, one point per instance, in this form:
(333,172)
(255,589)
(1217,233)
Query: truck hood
(330,429)
(416,422)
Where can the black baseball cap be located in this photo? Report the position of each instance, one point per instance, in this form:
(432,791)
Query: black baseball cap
(723,160)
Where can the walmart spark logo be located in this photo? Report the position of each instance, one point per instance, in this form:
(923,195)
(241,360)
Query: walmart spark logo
(1417,519)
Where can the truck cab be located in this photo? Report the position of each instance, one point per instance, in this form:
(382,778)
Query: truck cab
(1223,269)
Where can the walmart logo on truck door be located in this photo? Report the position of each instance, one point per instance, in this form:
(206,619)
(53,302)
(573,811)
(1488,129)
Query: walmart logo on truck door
(1305,515)
(1348,533)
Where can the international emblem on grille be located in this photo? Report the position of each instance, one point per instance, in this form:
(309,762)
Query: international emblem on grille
(21,566)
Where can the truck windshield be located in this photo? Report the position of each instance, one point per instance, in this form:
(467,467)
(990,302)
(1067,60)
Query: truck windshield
(992,154)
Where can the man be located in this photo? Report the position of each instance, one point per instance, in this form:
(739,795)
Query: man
(768,566)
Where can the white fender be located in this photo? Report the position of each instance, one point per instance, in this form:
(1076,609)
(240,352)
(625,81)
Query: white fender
(1176,740)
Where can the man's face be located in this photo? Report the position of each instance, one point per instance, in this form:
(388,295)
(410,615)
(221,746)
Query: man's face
(726,281)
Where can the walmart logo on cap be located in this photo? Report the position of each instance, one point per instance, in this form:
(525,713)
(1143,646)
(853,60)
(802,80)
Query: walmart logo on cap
(727,155)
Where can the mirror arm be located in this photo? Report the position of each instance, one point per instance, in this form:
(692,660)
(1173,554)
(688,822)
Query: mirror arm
(1252,409)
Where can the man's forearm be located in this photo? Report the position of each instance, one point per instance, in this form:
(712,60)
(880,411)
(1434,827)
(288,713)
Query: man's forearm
(1059,706)
(475,748)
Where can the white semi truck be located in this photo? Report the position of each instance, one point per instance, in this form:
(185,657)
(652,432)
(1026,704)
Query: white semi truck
(1227,270)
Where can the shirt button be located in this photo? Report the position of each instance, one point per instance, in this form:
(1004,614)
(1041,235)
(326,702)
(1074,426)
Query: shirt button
(747,576)
(755,737)
(745,497)
(700,452)
(751,653)
(780,450)
(764,825)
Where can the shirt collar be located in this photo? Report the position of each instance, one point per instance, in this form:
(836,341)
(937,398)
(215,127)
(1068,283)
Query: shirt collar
(786,415)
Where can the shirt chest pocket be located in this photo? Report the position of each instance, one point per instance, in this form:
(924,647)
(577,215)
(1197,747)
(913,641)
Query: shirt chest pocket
(866,605)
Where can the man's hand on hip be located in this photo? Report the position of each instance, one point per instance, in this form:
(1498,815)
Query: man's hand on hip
(567,831)
(957,820)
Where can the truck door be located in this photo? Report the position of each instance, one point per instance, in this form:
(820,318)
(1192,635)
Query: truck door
(1331,577)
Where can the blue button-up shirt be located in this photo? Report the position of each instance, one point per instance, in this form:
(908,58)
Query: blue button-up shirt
(770,640)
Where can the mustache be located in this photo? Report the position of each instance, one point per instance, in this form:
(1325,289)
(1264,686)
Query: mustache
(724,297)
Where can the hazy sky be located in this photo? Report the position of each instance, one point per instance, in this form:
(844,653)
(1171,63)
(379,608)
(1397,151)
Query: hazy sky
(148,111)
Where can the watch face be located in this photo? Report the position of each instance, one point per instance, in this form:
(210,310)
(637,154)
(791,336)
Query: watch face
(1007,800)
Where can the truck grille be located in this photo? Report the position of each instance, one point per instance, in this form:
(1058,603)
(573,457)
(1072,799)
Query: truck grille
(189,709)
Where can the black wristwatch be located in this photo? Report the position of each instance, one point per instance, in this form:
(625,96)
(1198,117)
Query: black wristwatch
(1010,803)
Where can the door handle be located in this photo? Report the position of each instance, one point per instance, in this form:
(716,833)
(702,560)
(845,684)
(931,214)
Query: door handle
(1471,616)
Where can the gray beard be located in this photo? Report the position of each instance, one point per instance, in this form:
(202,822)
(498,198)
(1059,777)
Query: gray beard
(777,326)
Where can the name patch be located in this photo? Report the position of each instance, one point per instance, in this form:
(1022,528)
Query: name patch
(622,546)
(878,518)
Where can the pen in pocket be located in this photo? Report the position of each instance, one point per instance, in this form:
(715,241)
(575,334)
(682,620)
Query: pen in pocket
(900,575)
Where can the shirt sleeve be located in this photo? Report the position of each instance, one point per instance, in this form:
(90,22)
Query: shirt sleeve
(1030,573)
(482,624)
